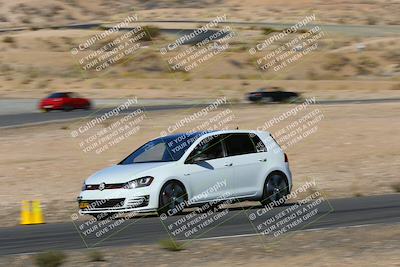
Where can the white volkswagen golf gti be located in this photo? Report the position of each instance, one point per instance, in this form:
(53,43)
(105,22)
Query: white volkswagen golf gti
(188,169)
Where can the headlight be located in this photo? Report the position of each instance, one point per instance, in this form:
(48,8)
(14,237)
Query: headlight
(140,182)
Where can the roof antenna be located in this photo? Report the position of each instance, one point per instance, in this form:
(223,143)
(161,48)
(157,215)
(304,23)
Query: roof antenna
(237,127)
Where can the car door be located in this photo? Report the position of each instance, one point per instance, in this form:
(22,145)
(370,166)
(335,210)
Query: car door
(206,170)
(248,156)
(82,102)
(67,101)
(75,100)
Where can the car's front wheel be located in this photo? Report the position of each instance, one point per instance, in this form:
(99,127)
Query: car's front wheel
(172,198)
(275,188)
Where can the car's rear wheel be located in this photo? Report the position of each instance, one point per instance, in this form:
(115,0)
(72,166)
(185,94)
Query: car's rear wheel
(172,198)
(275,188)
(67,108)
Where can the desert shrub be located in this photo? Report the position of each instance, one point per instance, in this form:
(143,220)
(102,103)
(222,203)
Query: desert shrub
(43,84)
(335,62)
(9,40)
(367,62)
(50,259)
(396,187)
(396,87)
(312,75)
(268,30)
(95,256)
(372,20)
(3,18)
(26,81)
(5,68)
(151,32)
(362,70)
(26,20)
(170,244)
(393,55)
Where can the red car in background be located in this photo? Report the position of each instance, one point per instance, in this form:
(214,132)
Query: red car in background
(64,101)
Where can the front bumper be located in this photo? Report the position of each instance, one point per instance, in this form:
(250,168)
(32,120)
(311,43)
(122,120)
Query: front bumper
(117,200)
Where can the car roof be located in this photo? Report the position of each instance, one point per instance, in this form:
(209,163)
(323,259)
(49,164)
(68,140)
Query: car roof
(209,133)
(238,131)
(199,133)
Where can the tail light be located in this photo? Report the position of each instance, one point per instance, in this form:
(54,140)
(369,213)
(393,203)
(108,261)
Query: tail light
(286,158)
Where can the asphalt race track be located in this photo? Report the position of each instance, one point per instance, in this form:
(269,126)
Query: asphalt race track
(23,119)
(339,213)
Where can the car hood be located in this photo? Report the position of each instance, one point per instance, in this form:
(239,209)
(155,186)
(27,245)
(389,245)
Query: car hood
(124,173)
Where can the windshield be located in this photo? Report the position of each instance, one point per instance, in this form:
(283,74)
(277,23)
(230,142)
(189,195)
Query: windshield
(163,149)
(57,95)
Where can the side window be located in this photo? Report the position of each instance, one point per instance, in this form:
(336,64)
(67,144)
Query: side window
(260,146)
(208,148)
(239,144)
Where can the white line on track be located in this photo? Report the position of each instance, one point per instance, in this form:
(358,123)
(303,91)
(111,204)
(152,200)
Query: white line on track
(298,231)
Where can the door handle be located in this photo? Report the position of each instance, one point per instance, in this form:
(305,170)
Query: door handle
(262,160)
(228,164)
(186,174)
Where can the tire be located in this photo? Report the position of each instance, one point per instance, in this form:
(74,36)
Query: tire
(172,195)
(267,100)
(275,188)
(292,99)
(256,101)
(67,108)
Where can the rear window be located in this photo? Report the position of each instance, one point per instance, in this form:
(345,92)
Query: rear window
(239,144)
(260,146)
(57,95)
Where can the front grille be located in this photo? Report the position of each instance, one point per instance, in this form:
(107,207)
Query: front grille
(106,186)
(105,203)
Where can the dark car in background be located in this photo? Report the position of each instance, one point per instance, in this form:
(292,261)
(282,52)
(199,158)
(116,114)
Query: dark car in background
(64,101)
(273,94)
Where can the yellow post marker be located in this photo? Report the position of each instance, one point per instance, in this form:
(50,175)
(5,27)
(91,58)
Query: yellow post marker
(26,212)
(37,214)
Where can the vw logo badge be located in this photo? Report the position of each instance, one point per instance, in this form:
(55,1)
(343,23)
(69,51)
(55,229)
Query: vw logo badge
(102,186)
